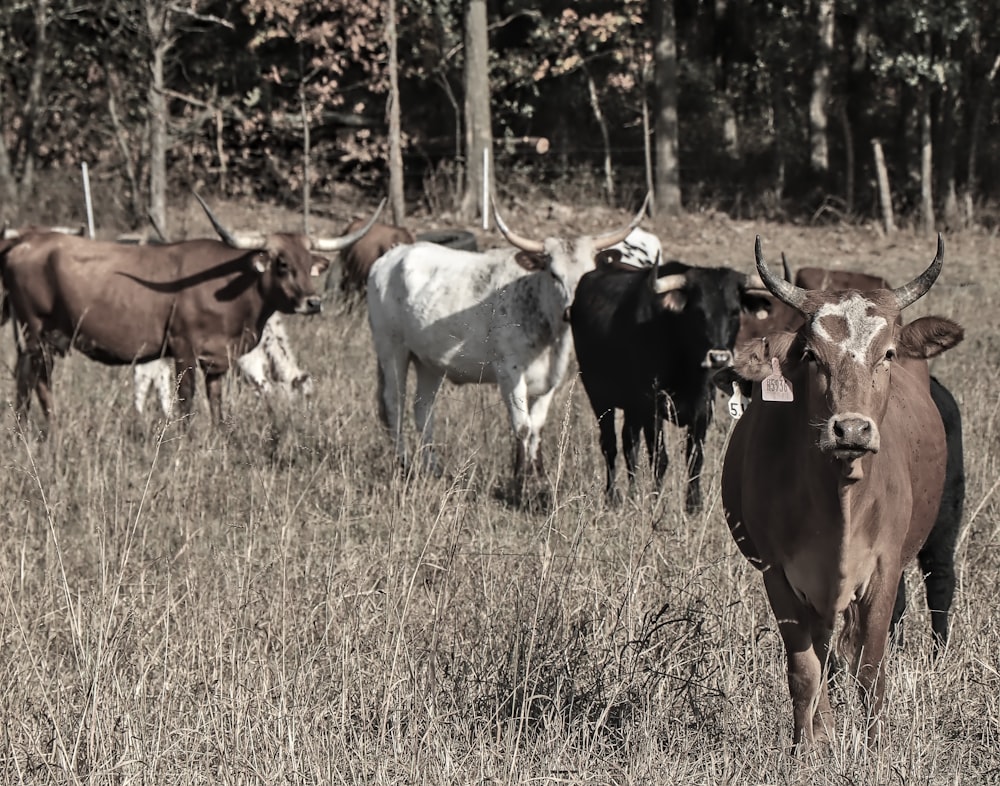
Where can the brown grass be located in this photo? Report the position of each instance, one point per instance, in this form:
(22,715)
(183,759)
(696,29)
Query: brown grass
(273,603)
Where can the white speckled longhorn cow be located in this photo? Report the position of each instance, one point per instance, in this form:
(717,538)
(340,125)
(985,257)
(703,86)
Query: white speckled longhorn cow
(494,317)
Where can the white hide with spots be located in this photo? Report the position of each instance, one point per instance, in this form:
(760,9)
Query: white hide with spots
(862,327)
(269,365)
(473,317)
(639,249)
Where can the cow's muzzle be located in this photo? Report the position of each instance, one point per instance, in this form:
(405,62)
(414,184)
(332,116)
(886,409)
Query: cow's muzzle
(717,358)
(850,436)
(311,305)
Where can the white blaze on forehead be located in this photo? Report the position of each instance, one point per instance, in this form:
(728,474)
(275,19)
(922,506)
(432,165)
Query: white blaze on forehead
(862,327)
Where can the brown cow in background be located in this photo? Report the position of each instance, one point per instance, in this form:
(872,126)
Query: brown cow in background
(201,302)
(357,259)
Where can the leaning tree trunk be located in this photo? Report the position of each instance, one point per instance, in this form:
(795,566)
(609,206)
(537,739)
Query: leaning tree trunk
(668,188)
(884,192)
(478,133)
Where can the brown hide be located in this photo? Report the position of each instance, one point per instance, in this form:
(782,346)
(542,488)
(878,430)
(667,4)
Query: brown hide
(830,495)
(359,258)
(200,302)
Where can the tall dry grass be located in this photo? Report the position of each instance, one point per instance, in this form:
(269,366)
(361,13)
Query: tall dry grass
(273,602)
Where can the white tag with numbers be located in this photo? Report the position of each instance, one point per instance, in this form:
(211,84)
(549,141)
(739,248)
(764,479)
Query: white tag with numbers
(775,387)
(738,403)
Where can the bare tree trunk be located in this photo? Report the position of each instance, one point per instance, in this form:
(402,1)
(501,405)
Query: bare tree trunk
(975,132)
(647,152)
(595,105)
(845,125)
(396,191)
(478,131)
(157,24)
(926,163)
(26,143)
(306,157)
(8,184)
(819,153)
(884,192)
(122,138)
(668,188)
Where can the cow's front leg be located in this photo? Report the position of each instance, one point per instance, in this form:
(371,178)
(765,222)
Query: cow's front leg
(874,614)
(538,413)
(695,453)
(515,395)
(805,671)
(213,389)
(184,371)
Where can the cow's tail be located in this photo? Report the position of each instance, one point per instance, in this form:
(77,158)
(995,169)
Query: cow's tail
(383,413)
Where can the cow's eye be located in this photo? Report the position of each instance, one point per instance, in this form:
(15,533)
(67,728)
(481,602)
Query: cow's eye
(890,354)
(808,356)
(281,266)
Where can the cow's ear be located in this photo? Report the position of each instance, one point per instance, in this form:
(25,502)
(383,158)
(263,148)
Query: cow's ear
(533,261)
(753,358)
(927,337)
(609,256)
(260,260)
(758,306)
(724,378)
(319,264)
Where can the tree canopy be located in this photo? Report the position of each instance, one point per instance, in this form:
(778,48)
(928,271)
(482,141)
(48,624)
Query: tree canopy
(241,78)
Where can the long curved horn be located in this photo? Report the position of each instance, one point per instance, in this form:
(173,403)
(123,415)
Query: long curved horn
(523,243)
(337,243)
(910,293)
(607,240)
(669,283)
(788,294)
(225,234)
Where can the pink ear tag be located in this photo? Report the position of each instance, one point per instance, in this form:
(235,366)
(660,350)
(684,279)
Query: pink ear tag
(737,402)
(775,387)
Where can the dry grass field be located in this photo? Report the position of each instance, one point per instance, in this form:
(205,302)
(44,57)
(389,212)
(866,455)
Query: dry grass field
(273,602)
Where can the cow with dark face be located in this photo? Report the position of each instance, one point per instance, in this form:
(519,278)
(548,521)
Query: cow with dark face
(357,259)
(833,476)
(647,342)
(201,302)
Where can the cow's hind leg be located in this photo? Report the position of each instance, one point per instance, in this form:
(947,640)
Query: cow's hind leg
(609,449)
(392,367)
(428,382)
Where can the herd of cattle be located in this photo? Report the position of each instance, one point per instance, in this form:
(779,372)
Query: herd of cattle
(845,461)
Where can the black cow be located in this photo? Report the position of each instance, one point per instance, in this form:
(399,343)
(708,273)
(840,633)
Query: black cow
(647,342)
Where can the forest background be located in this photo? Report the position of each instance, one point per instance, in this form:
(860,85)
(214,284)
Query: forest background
(773,109)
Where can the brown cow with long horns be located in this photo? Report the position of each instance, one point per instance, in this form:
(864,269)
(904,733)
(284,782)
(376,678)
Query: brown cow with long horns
(833,475)
(201,302)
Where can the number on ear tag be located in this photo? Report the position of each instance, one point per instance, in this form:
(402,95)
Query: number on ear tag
(737,402)
(775,387)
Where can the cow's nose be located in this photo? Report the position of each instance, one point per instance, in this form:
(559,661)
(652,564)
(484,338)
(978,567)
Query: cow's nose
(853,432)
(314,304)
(717,358)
